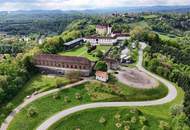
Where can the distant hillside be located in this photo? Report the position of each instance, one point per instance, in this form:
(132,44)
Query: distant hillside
(177,9)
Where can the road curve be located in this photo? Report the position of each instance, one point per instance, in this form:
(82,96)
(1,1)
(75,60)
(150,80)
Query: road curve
(172,93)
(10,117)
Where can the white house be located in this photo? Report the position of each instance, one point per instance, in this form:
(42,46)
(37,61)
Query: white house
(102,76)
(94,40)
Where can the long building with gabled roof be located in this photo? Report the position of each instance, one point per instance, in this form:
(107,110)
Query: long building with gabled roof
(51,63)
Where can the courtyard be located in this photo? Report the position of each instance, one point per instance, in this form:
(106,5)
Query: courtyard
(82,52)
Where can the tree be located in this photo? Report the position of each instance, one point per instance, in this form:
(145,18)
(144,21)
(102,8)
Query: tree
(164,125)
(9,107)
(58,82)
(176,110)
(2,94)
(139,33)
(102,120)
(126,43)
(99,53)
(31,112)
(101,66)
(56,95)
(78,96)
(66,99)
(187,104)
(142,120)
(179,122)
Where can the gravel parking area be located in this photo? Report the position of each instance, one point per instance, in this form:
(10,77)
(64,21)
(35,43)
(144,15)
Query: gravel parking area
(135,78)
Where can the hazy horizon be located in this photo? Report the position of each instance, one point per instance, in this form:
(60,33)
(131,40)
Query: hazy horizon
(14,5)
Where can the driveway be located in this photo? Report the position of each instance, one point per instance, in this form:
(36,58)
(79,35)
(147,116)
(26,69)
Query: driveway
(172,93)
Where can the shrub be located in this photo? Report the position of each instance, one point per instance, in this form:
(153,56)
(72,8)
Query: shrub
(133,119)
(164,125)
(32,112)
(176,110)
(66,99)
(58,83)
(9,107)
(101,66)
(142,120)
(144,127)
(56,96)
(126,127)
(117,116)
(78,96)
(118,125)
(102,120)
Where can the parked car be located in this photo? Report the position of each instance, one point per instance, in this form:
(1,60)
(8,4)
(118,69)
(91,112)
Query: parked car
(28,97)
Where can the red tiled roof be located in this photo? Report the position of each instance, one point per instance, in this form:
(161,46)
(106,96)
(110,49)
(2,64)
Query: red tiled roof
(58,58)
(102,74)
(99,37)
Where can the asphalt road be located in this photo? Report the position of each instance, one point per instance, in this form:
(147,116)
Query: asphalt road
(10,117)
(172,93)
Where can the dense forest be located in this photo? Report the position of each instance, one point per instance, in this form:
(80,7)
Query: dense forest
(23,23)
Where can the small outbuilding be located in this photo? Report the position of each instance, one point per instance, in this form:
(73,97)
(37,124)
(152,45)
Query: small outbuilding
(102,76)
(73,43)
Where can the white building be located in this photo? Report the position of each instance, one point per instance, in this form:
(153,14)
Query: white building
(102,76)
(101,40)
(103,29)
(125,56)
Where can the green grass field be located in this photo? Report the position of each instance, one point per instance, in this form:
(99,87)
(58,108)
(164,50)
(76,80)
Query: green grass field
(141,24)
(82,51)
(90,92)
(89,120)
(37,83)
(150,16)
(85,118)
(165,37)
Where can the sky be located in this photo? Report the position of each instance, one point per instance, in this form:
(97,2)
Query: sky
(11,5)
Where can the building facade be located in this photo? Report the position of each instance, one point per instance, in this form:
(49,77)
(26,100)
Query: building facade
(102,76)
(95,40)
(73,43)
(103,29)
(56,64)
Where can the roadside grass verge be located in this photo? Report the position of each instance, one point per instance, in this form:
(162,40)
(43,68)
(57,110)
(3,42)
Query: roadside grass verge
(89,92)
(90,120)
(38,83)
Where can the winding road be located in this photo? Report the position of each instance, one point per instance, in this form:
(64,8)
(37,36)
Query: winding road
(172,93)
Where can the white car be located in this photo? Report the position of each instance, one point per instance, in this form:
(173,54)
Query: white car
(28,97)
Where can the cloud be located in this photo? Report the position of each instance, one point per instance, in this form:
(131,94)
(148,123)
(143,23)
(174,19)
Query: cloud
(82,4)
